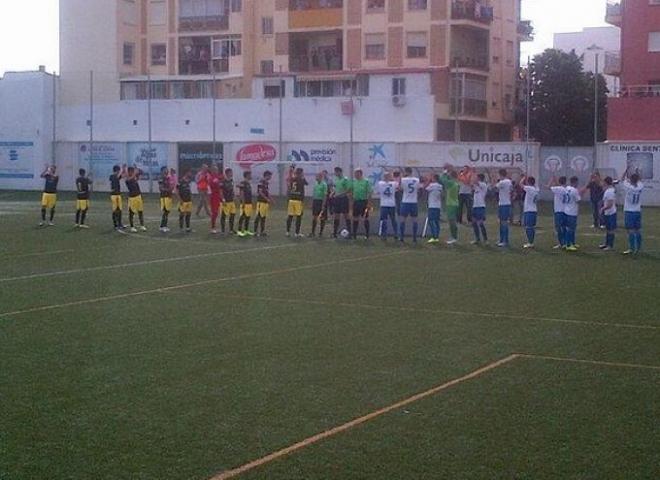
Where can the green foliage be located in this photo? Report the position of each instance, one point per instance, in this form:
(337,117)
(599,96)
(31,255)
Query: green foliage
(562,101)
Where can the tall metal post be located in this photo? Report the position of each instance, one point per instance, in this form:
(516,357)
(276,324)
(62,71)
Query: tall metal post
(596,114)
(54,139)
(528,100)
(281,115)
(91,120)
(458,98)
(351,136)
(213,122)
(150,158)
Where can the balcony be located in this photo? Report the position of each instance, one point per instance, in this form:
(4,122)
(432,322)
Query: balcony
(612,64)
(476,11)
(204,24)
(640,91)
(525,31)
(316,52)
(614,13)
(315,13)
(479,62)
(468,96)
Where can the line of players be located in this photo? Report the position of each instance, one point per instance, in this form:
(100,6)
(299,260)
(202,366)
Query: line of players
(351,200)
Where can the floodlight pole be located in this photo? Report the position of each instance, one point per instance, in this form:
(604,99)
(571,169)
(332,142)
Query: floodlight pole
(213,122)
(91,120)
(150,159)
(528,111)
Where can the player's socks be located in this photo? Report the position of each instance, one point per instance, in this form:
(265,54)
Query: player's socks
(141,217)
(356,224)
(119,216)
(367,229)
(188,215)
(181,220)
(314,224)
(531,234)
(78,217)
(609,240)
(298,224)
(164,219)
(263,225)
(83,216)
(43,214)
(484,234)
(415,228)
(232,218)
(321,230)
(477,234)
(223,222)
(632,240)
(289,221)
(131,218)
(402,230)
(52,214)
(639,241)
(348,226)
(335,227)
(453,229)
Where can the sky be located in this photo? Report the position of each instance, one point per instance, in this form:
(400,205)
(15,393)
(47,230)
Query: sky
(29,28)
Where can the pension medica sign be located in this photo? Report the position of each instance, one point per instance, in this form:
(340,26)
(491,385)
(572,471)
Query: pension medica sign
(256,153)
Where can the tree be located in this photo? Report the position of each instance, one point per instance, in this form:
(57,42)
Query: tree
(562,100)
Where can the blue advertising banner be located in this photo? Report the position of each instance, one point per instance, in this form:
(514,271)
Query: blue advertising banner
(106,156)
(17,160)
(148,160)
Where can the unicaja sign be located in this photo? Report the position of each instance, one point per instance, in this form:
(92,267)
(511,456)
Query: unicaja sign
(256,153)
(492,156)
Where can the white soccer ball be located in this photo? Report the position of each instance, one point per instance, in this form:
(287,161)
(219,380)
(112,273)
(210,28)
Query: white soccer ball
(345,233)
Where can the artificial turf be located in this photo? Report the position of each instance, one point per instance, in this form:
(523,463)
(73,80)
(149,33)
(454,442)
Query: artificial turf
(184,356)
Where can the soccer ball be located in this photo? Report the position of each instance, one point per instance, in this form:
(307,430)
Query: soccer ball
(344,233)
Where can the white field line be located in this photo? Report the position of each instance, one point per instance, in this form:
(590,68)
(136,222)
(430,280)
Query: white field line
(438,312)
(171,288)
(142,263)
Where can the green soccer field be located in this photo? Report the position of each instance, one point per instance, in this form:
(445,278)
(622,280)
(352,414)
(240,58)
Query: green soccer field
(198,357)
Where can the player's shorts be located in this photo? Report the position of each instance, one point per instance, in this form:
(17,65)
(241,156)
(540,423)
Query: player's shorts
(387,212)
(117,202)
(82,204)
(633,220)
(452,212)
(479,214)
(610,222)
(247,209)
(530,219)
(409,210)
(295,208)
(340,205)
(570,222)
(319,210)
(360,208)
(229,208)
(185,207)
(166,203)
(560,220)
(136,204)
(48,200)
(504,213)
(433,214)
(263,209)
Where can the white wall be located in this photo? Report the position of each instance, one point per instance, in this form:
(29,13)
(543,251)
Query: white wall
(26,102)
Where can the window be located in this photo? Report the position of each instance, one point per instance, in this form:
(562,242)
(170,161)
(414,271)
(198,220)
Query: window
(509,52)
(159,90)
(267,67)
(398,86)
(157,12)
(225,47)
(129,12)
(417,4)
(274,89)
(416,45)
(205,89)
(158,54)
(236,6)
(266,25)
(375,6)
(654,41)
(129,53)
(374,46)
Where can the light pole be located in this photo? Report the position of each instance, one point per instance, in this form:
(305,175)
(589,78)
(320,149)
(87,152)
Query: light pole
(596,50)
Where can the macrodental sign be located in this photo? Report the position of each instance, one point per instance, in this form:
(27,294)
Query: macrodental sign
(476,155)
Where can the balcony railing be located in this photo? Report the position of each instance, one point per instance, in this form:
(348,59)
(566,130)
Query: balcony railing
(640,91)
(203,24)
(315,63)
(613,12)
(476,62)
(469,107)
(314,4)
(474,10)
(612,64)
(526,30)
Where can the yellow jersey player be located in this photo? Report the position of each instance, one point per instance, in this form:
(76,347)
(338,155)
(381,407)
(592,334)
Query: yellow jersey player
(49,197)
(165,188)
(115,197)
(185,202)
(263,204)
(82,198)
(135,202)
(297,185)
(245,194)
(229,203)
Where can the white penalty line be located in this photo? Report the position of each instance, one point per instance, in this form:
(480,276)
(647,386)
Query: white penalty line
(437,312)
(144,262)
(284,452)
(197,284)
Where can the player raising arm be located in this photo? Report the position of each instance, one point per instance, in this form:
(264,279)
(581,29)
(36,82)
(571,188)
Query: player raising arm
(185,202)
(608,214)
(572,199)
(165,189)
(480,189)
(504,187)
(386,189)
(558,188)
(82,198)
(340,197)
(361,190)
(410,187)
(449,181)
(632,209)
(319,205)
(297,183)
(49,196)
(434,189)
(245,196)
(264,202)
(530,209)
(135,202)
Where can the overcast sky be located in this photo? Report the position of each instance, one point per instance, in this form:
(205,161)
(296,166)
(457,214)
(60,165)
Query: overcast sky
(29,28)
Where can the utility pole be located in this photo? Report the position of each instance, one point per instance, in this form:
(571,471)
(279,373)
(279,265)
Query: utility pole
(213,122)
(54,139)
(91,120)
(150,159)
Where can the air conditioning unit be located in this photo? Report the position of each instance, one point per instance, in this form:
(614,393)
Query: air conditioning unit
(398,100)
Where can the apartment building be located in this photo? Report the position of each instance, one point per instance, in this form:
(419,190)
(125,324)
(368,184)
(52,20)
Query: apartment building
(466,52)
(633,115)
